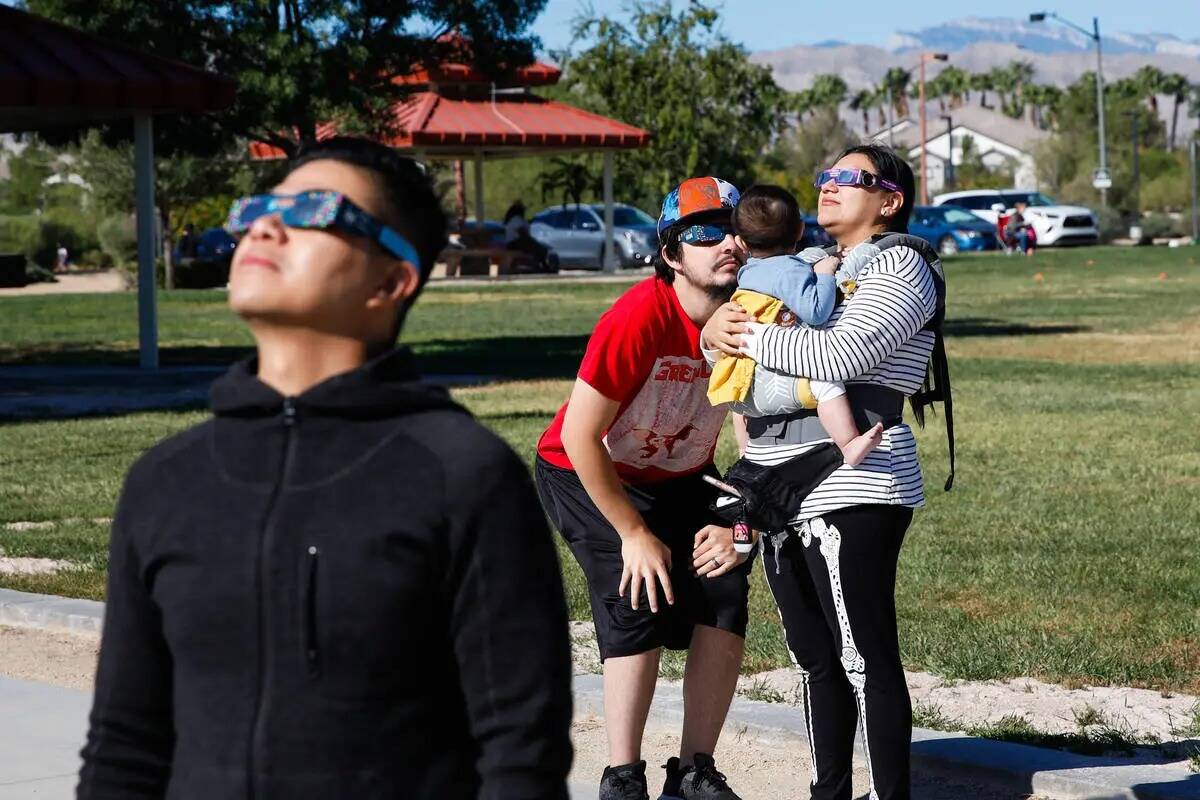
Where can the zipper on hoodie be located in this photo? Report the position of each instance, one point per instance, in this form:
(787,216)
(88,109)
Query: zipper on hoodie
(258,733)
(312,648)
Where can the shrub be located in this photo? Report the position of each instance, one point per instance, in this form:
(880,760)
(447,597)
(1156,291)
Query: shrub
(66,227)
(96,258)
(18,234)
(1159,226)
(118,238)
(1111,223)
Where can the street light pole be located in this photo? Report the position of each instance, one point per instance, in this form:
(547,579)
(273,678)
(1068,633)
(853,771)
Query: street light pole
(924,136)
(1094,35)
(1195,204)
(950,176)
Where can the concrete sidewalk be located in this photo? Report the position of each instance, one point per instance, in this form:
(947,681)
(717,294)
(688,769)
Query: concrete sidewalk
(44,727)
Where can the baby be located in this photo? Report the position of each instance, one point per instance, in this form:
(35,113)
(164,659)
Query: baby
(778,286)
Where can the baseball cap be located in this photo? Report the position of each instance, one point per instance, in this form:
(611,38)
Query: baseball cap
(695,196)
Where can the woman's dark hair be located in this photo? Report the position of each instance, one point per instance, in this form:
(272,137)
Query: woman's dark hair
(767,217)
(888,164)
(517,209)
(412,206)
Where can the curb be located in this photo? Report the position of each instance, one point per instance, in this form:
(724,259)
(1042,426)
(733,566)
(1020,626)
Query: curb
(27,610)
(1015,767)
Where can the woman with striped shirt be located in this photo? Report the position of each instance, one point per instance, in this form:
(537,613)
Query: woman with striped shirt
(833,576)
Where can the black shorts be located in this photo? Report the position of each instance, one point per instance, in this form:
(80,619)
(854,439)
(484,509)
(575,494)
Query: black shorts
(675,510)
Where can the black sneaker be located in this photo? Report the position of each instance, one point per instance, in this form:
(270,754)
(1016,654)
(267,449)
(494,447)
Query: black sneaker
(674,777)
(626,782)
(702,781)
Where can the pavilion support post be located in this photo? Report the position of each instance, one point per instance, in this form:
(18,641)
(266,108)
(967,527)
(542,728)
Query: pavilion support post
(143,149)
(479,191)
(610,258)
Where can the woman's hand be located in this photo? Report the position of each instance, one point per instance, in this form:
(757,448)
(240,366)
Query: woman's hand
(714,554)
(646,559)
(724,329)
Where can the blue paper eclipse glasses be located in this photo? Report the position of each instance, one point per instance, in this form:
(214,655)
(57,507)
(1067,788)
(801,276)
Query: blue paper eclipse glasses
(319,210)
(705,234)
(853,177)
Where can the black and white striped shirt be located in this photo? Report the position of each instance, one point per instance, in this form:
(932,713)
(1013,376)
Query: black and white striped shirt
(874,337)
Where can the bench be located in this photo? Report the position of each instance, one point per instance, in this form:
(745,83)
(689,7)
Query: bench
(479,261)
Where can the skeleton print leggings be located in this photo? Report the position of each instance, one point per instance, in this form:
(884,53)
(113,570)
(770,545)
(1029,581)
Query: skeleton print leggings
(834,583)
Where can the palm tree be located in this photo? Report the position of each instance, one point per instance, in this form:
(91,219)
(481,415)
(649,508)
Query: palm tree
(1149,81)
(957,84)
(863,101)
(567,176)
(897,79)
(1022,74)
(1004,83)
(1043,101)
(982,83)
(1177,86)
(827,91)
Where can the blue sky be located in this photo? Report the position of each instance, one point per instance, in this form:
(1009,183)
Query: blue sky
(770,24)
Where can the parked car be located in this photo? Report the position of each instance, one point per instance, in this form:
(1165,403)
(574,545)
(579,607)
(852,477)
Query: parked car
(577,234)
(1053,224)
(814,234)
(213,244)
(952,230)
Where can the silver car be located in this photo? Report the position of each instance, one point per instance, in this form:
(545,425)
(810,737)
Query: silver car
(577,234)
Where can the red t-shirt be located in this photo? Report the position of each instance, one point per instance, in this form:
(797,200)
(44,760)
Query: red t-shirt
(645,354)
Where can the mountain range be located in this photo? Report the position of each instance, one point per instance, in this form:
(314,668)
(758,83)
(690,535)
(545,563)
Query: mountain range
(1059,54)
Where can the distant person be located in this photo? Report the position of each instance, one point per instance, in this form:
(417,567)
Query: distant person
(62,258)
(621,474)
(340,586)
(517,237)
(189,242)
(778,285)
(1018,232)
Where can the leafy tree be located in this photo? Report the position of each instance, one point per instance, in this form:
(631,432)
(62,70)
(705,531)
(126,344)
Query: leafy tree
(711,110)
(28,171)
(301,62)
(973,173)
(568,179)
(795,157)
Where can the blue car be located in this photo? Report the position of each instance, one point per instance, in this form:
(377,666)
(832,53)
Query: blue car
(952,230)
(814,234)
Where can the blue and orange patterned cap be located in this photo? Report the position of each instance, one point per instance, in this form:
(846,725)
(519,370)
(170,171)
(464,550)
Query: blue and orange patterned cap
(696,196)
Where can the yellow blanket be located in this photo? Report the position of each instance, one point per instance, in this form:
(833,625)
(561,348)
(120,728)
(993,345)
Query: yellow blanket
(732,376)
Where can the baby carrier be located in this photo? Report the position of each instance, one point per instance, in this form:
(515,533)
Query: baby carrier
(768,496)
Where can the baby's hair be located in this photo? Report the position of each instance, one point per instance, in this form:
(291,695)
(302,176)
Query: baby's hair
(768,219)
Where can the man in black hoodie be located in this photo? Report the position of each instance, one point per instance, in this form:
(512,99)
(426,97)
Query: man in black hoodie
(341,585)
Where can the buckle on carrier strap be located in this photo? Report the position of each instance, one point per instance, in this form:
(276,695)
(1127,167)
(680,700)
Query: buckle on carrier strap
(870,403)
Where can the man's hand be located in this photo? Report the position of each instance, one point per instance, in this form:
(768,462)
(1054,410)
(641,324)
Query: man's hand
(827,265)
(724,329)
(646,559)
(714,554)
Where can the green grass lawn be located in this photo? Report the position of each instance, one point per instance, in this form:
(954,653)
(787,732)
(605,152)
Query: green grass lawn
(1067,550)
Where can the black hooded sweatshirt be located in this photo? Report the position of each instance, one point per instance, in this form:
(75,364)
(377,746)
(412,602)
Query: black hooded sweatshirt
(351,593)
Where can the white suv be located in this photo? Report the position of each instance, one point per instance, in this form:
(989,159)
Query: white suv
(1054,224)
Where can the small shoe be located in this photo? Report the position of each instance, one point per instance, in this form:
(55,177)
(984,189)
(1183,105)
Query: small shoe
(702,781)
(624,782)
(670,789)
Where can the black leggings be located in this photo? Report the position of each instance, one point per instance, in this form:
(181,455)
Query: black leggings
(835,587)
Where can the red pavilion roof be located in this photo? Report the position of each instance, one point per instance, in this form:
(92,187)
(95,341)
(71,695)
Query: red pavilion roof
(460,125)
(52,75)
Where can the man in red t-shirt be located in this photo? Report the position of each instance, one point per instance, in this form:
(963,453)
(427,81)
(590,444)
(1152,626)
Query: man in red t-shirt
(620,474)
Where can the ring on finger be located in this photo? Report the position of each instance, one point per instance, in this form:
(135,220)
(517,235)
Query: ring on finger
(716,561)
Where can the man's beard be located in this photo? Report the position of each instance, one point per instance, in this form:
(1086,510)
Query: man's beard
(717,291)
